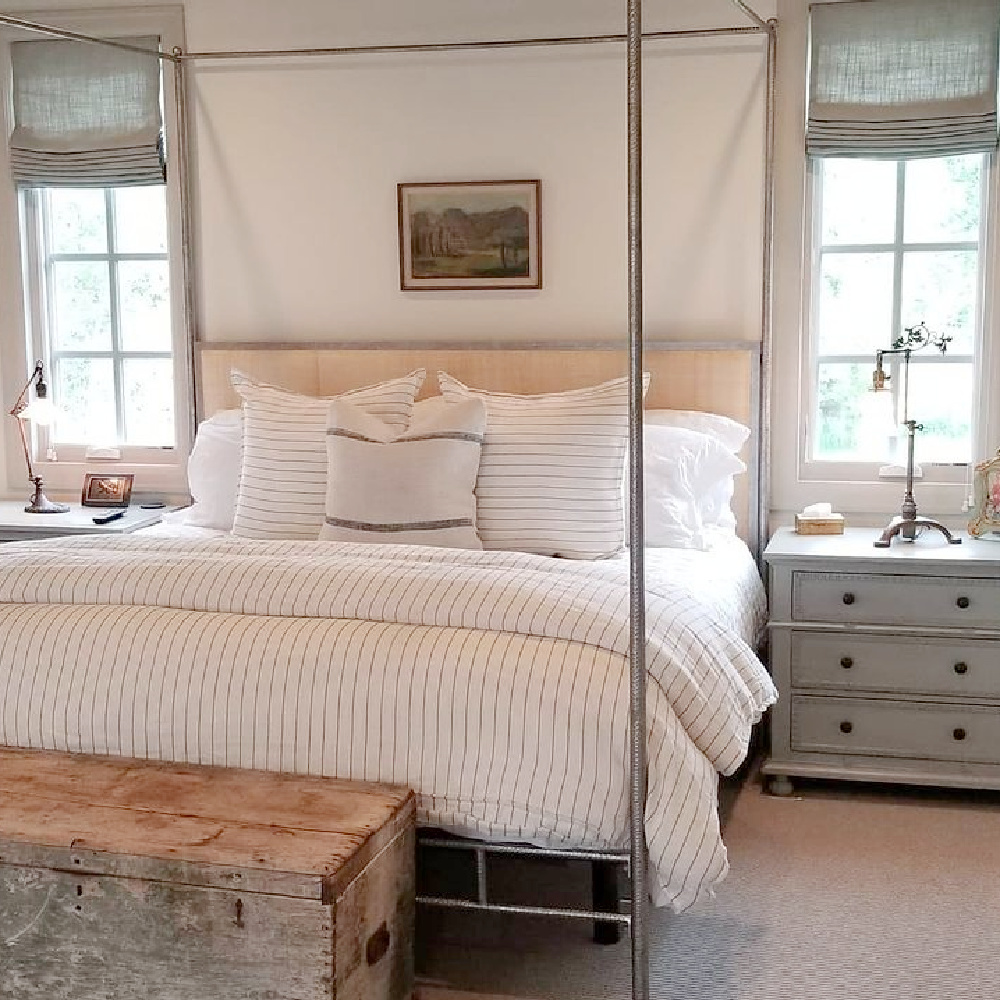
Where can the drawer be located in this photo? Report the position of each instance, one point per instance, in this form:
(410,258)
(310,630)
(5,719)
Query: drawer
(911,664)
(873,599)
(921,731)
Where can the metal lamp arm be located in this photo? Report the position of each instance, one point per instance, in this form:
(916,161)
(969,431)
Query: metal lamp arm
(906,523)
(19,407)
(21,403)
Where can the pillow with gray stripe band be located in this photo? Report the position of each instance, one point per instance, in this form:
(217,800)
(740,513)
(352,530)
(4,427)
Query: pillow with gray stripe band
(550,477)
(415,487)
(282,490)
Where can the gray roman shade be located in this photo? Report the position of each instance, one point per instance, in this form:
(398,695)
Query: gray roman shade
(902,78)
(86,115)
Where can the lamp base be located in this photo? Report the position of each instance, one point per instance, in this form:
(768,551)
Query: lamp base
(906,529)
(41,504)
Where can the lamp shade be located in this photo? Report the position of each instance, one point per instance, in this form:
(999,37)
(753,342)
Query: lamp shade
(40,411)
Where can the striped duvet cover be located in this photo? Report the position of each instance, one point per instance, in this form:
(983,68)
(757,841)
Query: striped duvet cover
(493,683)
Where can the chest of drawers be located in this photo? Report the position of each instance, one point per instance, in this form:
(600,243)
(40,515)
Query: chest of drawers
(887,661)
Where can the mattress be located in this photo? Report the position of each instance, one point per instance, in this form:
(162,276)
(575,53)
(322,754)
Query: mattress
(493,683)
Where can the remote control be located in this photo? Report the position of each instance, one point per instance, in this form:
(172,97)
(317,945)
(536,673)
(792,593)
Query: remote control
(108,518)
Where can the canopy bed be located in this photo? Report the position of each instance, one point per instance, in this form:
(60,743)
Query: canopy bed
(703,704)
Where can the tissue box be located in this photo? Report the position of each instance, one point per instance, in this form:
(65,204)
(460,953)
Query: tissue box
(819,524)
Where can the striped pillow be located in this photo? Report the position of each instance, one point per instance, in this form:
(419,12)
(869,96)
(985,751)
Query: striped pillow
(551,472)
(282,491)
(415,487)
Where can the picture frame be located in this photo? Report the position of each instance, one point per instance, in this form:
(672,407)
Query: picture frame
(100,490)
(986,499)
(456,235)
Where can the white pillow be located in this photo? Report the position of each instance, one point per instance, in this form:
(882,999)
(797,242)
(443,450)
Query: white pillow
(730,432)
(214,471)
(282,491)
(551,470)
(688,482)
(416,487)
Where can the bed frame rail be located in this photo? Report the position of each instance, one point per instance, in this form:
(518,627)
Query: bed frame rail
(606,911)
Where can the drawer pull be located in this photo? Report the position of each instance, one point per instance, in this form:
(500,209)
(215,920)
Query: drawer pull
(962,602)
(961,668)
(959,734)
(847,662)
(848,598)
(846,727)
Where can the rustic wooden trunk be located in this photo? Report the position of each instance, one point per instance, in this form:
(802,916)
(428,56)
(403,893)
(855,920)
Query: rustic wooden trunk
(123,878)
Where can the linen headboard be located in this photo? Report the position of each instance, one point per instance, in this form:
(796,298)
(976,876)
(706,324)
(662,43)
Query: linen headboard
(720,377)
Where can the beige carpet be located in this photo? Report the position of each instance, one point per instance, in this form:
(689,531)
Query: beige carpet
(839,893)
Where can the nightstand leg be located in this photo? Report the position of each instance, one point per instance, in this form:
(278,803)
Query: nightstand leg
(781,785)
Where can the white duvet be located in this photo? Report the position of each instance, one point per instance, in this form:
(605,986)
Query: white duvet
(493,683)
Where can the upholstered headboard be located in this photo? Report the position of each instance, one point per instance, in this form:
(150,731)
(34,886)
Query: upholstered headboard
(718,377)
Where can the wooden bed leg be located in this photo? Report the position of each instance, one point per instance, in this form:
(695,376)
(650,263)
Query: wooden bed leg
(604,890)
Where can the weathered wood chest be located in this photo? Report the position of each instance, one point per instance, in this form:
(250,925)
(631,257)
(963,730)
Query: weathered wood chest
(126,879)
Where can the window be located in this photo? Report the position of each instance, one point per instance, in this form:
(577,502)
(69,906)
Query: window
(99,272)
(895,243)
(90,230)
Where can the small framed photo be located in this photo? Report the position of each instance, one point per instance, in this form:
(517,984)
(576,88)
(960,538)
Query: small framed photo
(986,499)
(106,491)
(470,235)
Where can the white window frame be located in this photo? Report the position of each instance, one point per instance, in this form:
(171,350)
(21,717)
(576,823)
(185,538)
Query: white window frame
(40,293)
(814,469)
(858,486)
(157,470)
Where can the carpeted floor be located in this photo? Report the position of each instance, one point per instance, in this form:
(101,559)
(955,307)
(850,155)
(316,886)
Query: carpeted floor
(842,892)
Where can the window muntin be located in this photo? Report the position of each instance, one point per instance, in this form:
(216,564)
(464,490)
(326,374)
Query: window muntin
(106,331)
(897,243)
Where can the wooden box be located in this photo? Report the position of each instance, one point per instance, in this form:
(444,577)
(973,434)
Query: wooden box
(122,879)
(831,524)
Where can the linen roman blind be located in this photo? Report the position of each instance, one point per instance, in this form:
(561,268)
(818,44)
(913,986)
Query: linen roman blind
(902,78)
(86,115)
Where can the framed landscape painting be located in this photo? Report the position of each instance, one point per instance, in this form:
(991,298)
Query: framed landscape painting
(470,234)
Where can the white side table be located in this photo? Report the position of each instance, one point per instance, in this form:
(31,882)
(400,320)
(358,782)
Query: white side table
(887,661)
(16,525)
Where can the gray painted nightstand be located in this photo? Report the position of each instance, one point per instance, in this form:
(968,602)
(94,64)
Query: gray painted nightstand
(17,526)
(887,661)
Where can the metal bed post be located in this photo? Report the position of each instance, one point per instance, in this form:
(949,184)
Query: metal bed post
(767,303)
(184,175)
(637,536)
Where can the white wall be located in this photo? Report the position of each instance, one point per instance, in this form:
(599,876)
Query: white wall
(297,164)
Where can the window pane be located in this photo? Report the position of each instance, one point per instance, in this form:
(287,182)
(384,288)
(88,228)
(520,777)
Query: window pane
(144,301)
(82,306)
(855,308)
(85,395)
(852,422)
(78,220)
(939,288)
(141,219)
(941,400)
(859,201)
(942,199)
(149,401)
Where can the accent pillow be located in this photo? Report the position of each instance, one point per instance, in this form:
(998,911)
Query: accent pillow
(416,487)
(282,492)
(730,432)
(214,471)
(551,471)
(689,482)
